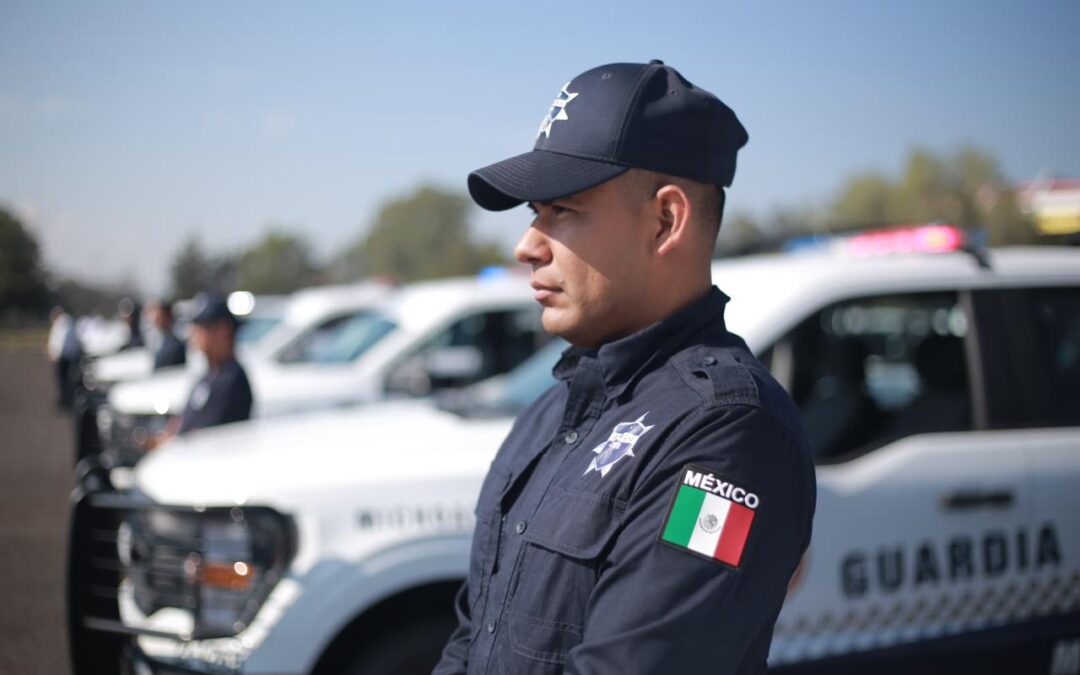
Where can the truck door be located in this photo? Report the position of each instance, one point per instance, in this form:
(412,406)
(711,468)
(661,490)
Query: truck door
(924,519)
(1040,332)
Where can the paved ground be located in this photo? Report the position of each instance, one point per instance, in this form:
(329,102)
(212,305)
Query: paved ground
(35,481)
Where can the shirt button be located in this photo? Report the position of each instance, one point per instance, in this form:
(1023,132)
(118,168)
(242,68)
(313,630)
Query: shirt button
(709,361)
(491,627)
(520,528)
(571,437)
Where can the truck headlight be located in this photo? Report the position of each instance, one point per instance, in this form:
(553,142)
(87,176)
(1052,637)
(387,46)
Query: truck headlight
(124,434)
(218,564)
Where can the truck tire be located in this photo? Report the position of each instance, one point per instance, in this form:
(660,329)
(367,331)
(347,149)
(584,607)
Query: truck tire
(411,648)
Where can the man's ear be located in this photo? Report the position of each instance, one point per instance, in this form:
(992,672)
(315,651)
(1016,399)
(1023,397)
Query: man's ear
(674,215)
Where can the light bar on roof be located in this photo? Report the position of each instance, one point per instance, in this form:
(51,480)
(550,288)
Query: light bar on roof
(933,238)
(930,238)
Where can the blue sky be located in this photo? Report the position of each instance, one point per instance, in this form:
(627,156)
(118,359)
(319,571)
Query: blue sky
(124,126)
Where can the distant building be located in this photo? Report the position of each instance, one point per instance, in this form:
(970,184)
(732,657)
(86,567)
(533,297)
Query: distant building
(1053,202)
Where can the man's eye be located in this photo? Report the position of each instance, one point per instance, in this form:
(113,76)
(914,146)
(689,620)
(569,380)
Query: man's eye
(560,210)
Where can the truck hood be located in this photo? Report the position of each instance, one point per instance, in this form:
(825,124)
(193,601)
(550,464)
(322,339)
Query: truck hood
(166,392)
(277,390)
(131,364)
(283,461)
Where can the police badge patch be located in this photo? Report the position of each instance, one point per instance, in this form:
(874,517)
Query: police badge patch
(620,444)
(200,395)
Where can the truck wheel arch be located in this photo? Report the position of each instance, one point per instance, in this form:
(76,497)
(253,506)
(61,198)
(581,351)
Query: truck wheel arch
(380,618)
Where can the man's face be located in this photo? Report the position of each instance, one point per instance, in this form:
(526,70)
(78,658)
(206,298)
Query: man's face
(213,339)
(158,317)
(590,257)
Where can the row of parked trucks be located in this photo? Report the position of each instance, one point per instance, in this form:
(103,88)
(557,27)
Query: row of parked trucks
(940,391)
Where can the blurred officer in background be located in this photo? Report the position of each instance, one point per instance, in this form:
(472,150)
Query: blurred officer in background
(646,514)
(131,315)
(171,350)
(65,351)
(223,395)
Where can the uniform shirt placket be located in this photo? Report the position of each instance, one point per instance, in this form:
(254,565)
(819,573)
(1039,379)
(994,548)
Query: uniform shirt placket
(584,402)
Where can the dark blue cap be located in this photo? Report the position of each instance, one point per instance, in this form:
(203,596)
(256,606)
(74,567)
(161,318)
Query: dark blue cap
(610,119)
(210,308)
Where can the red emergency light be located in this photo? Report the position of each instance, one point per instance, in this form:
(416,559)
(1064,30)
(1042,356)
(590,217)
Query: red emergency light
(933,238)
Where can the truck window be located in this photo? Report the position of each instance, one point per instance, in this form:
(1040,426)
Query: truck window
(337,340)
(869,371)
(252,329)
(1056,314)
(471,349)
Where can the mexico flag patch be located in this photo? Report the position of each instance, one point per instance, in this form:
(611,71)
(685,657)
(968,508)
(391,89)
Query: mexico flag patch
(710,516)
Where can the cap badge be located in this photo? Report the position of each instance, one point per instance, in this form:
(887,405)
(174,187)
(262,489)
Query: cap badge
(557,112)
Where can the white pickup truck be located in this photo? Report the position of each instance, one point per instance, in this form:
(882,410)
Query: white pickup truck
(268,322)
(260,315)
(941,394)
(418,339)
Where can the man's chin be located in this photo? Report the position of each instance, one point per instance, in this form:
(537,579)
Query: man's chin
(557,322)
(563,324)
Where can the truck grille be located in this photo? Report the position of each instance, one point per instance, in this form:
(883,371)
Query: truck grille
(166,558)
(218,564)
(122,435)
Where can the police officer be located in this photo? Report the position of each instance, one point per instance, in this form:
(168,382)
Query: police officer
(65,351)
(170,350)
(223,395)
(646,514)
(131,315)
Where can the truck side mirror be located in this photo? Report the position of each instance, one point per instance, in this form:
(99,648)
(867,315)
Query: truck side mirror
(441,368)
(454,364)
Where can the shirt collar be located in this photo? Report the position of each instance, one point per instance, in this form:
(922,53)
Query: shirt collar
(623,361)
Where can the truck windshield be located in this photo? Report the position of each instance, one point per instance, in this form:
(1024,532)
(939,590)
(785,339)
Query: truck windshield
(252,329)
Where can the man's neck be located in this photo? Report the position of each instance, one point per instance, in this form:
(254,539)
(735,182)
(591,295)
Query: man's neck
(216,363)
(673,298)
(658,310)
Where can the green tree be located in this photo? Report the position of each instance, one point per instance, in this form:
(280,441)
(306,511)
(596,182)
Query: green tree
(81,297)
(993,199)
(23,280)
(966,188)
(191,271)
(424,235)
(348,265)
(280,262)
(739,234)
(865,201)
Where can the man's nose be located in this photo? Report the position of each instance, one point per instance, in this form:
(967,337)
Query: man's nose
(532,249)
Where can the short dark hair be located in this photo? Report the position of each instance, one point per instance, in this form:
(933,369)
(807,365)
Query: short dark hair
(707,199)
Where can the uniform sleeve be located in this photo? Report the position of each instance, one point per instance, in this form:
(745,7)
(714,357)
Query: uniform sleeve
(455,656)
(660,607)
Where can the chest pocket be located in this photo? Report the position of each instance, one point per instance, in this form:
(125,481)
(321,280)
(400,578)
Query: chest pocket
(557,571)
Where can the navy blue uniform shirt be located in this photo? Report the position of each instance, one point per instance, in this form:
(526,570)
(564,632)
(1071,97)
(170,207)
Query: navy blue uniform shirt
(643,516)
(223,395)
(171,351)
